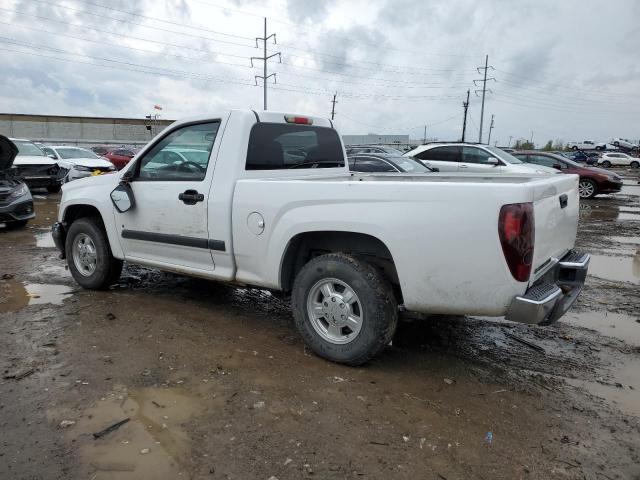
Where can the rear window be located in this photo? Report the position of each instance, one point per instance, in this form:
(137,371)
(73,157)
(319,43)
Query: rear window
(276,146)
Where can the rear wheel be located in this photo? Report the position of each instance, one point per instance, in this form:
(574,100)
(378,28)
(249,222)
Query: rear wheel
(89,255)
(574,148)
(344,308)
(635,164)
(606,164)
(587,188)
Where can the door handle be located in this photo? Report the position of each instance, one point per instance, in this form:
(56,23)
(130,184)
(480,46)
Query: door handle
(463,166)
(191,197)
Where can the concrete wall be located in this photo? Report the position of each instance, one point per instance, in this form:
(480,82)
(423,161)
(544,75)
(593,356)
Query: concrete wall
(80,130)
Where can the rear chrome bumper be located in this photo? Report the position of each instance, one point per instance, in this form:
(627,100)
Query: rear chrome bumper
(553,294)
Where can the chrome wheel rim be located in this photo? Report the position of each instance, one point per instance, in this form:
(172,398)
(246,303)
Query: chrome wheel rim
(586,189)
(85,257)
(335,311)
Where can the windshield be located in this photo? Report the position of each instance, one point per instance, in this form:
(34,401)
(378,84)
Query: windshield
(502,155)
(75,153)
(28,149)
(408,165)
(391,151)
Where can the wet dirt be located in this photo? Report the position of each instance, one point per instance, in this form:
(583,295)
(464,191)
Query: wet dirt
(218,385)
(617,269)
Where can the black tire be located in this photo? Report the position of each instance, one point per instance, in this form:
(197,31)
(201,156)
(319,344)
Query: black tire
(574,148)
(375,293)
(599,148)
(586,182)
(616,144)
(606,164)
(54,188)
(108,268)
(635,164)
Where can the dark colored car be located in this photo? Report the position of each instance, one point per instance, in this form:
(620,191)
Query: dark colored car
(16,203)
(373,149)
(99,150)
(120,157)
(590,158)
(593,180)
(373,162)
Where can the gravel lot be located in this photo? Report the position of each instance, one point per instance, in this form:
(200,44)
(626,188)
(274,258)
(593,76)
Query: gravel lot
(217,384)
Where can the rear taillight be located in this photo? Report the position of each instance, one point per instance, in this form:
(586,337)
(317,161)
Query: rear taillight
(516,229)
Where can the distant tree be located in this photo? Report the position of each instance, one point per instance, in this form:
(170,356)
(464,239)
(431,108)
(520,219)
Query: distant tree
(558,144)
(548,146)
(523,145)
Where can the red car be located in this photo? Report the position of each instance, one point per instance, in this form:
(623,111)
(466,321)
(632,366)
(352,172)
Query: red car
(119,157)
(593,180)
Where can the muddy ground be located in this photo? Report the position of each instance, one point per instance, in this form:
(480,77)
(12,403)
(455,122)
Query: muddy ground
(216,383)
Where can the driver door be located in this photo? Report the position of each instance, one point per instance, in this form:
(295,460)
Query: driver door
(168,225)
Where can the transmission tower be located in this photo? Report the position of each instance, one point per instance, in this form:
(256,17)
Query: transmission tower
(484,90)
(265,58)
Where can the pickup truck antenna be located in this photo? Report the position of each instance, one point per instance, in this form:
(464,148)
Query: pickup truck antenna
(264,59)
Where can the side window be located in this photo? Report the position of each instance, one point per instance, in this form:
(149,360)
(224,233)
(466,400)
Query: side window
(370,164)
(49,151)
(181,155)
(545,161)
(475,155)
(277,146)
(442,154)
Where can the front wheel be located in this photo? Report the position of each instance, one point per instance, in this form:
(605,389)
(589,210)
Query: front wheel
(344,308)
(606,164)
(587,188)
(635,164)
(89,255)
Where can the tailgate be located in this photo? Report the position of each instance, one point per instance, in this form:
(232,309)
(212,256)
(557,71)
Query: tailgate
(556,208)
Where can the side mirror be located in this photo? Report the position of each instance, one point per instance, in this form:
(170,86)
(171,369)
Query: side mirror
(435,169)
(122,198)
(557,166)
(493,161)
(51,155)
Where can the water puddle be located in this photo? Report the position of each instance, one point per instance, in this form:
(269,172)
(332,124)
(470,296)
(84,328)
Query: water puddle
(626,240)
(44,239)
(626,394)
(617,325)
(153,444)
(617,269)
(629,216)
(15,295)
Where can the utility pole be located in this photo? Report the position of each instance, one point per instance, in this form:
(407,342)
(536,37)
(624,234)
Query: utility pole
(465,105)
(490,128)
(510,137)
(531,140)
(484,90)
(425,135)
(333,106)
(264,59)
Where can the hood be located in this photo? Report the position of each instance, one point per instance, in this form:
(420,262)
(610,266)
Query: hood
(86,162)
(8,153)
(27,160)
(602,171)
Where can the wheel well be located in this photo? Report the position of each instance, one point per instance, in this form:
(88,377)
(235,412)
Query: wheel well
(74,212)
(306,246)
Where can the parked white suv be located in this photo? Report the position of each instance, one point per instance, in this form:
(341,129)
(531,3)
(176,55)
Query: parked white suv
(618,159)
(473,158)
(587,145)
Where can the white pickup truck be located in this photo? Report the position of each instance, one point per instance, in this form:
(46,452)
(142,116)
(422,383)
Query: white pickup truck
(265,199)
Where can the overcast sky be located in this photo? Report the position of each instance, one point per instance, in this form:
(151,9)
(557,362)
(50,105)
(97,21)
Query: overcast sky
(565,70)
